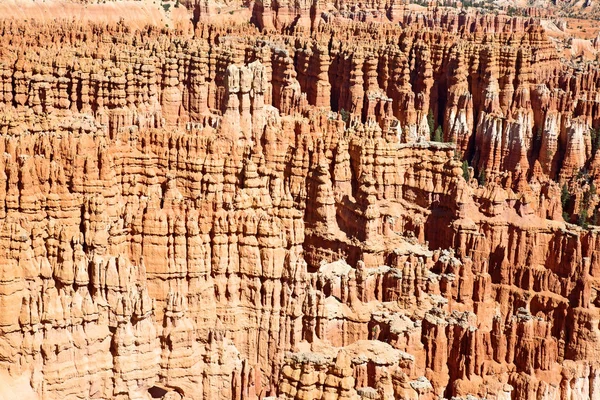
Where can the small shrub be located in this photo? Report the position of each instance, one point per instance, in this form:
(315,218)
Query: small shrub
(345,115)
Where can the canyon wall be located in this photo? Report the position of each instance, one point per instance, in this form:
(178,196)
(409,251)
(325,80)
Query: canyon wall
(235,213)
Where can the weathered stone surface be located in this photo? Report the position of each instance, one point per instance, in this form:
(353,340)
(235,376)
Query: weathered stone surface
(225,212)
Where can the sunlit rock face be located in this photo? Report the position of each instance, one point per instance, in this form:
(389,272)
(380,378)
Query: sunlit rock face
(265,210)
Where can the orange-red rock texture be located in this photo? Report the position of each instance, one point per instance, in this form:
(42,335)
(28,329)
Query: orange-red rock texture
(257,210)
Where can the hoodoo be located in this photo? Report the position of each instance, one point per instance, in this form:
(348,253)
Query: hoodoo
(299,200)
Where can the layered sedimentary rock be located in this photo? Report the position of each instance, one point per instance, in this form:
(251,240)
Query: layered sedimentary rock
(226,213)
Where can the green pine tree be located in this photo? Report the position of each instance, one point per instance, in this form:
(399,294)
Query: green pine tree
(565,197)
(595,139)
(482,178)
(431,123)
(465,170)
(438,135)
(585,202)
(582,220)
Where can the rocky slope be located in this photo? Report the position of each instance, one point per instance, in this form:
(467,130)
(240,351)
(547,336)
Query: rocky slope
(236,212)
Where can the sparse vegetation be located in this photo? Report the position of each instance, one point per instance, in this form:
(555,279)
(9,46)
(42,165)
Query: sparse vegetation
(565,199)
(512,11)
(595,139)
(583,175)
(582,220)
(482,179)
(345,115)
(431,123)
(565,196)
(438,135)
(465,170)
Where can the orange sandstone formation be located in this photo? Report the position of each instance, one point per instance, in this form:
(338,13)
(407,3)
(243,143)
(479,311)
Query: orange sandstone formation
(241,213)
